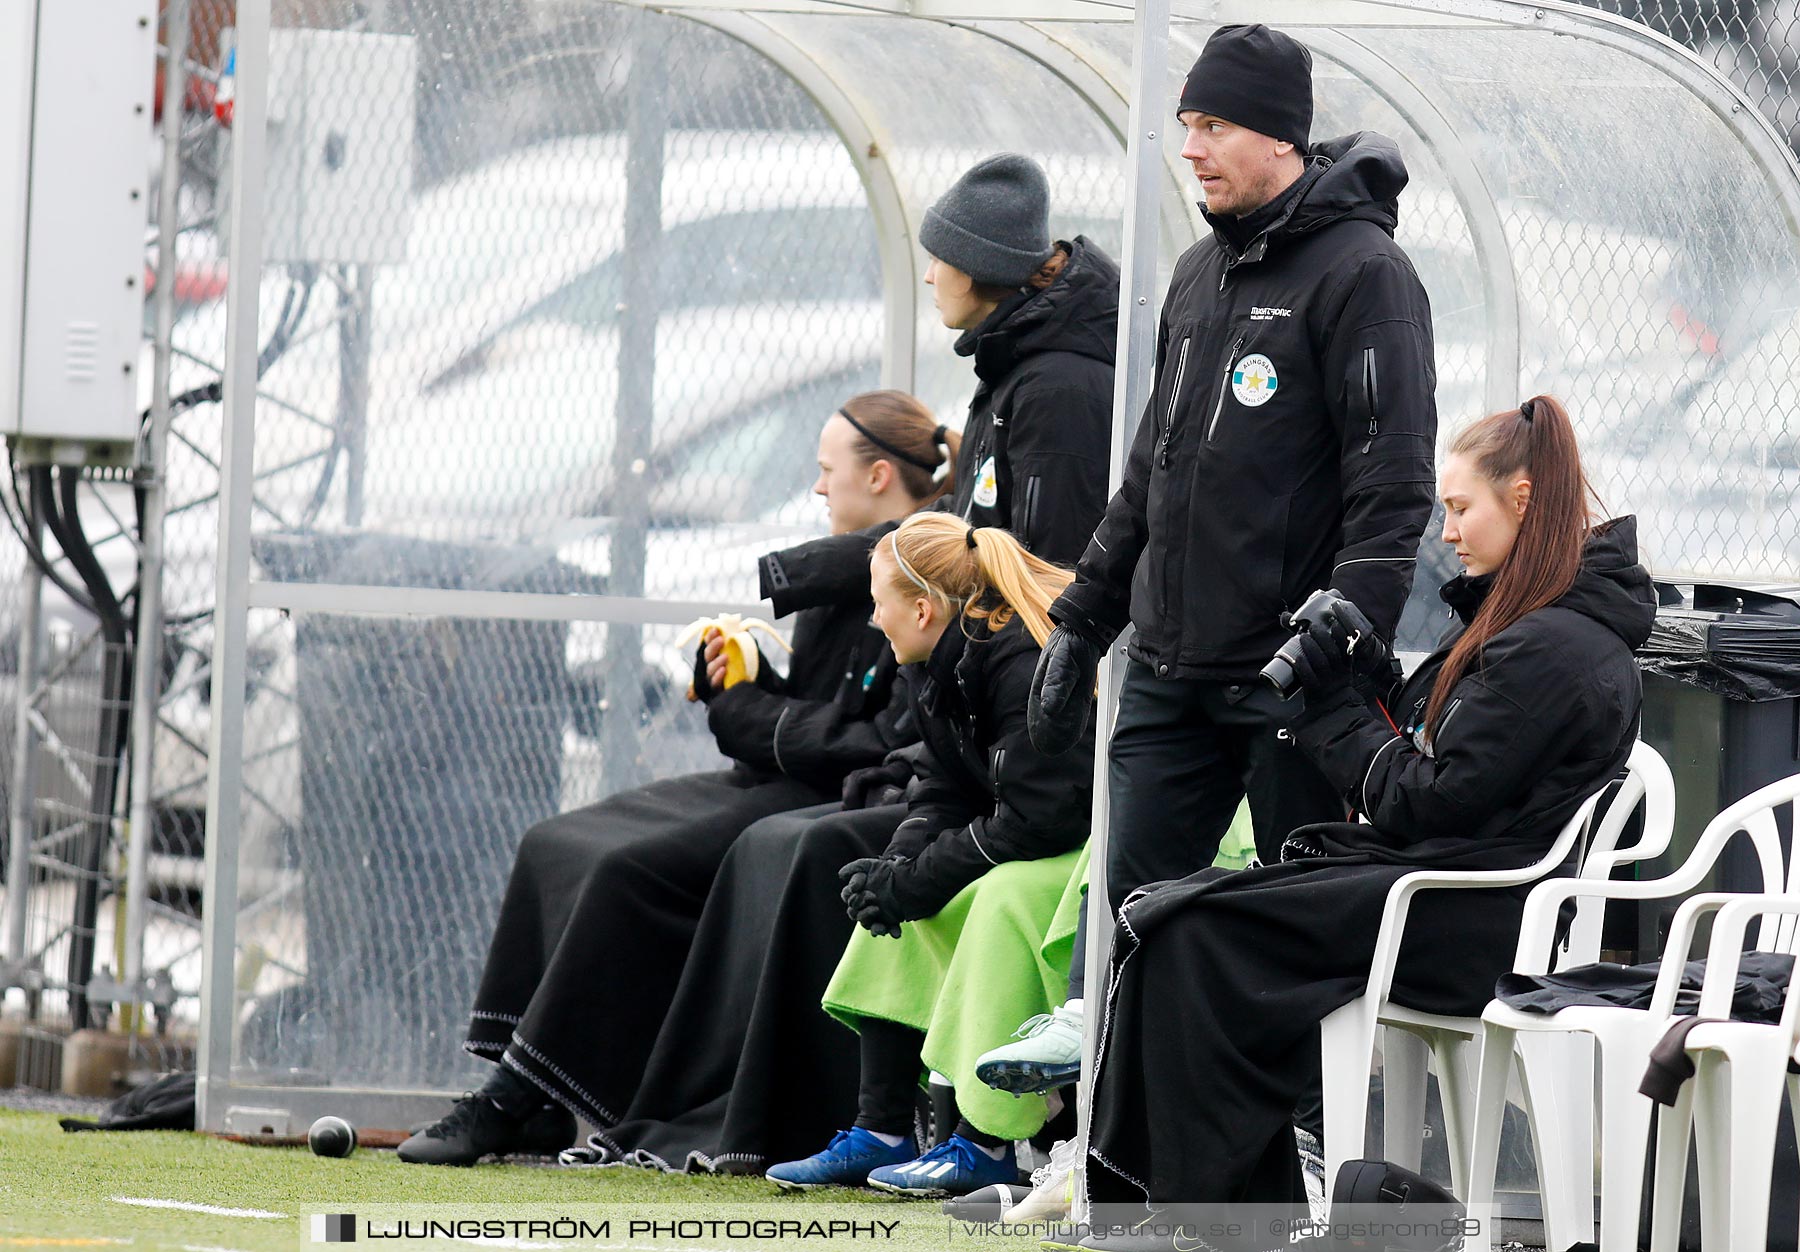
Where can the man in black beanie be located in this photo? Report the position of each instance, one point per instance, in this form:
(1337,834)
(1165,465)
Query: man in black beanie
(1288,446)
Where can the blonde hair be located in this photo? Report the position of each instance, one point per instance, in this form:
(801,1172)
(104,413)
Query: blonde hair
(980,572)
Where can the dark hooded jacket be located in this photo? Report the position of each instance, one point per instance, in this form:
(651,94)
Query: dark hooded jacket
(1545,717)
(981,795)
(836,710)
(1036,444)
(1288,443)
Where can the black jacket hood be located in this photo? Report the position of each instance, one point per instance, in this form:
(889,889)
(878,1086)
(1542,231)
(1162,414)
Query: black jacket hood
(1079,313)
(1360,178)
(1611,587)
(1355,177)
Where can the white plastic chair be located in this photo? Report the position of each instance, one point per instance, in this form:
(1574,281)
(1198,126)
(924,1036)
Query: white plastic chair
(1733,1100)
(1410,1037)
(1558,1050)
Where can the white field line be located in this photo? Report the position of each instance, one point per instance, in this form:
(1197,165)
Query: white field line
(211,1210)
(206,1247)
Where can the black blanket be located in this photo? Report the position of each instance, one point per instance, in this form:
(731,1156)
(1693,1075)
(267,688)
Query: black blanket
(1762,980)
(1218,986)
(595,928)
(748,1068)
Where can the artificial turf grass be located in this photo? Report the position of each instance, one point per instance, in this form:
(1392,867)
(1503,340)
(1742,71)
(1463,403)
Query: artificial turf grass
(57,1190)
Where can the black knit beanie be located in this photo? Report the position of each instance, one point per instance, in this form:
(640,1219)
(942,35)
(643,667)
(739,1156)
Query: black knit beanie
(1254,77)
(994,224)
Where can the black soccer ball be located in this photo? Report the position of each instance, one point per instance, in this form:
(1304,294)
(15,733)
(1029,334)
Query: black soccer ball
(331,1136)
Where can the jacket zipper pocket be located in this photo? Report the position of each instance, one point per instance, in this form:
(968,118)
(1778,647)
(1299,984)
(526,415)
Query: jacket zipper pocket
(1371,397)
(1224,384)
(1174,395)
(999,767)
(1027,510)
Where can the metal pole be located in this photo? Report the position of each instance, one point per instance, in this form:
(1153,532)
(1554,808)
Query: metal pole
(1133,382)
(147,677)
(24,772)
(634,425)
(225,746)
(354,295)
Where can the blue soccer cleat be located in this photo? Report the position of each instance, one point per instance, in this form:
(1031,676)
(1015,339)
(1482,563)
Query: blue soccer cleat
(955,1167)
(845,1162)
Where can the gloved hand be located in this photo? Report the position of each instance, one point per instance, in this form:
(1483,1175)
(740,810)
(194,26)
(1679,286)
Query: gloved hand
(868,895)
(1062,691)
(1370,659)
(876,785)
(701,688)
(1322,666)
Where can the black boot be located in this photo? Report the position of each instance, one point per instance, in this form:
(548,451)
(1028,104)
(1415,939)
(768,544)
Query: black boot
(506,1116)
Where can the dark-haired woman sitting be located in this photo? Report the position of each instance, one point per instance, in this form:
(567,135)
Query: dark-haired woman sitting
(1529,706)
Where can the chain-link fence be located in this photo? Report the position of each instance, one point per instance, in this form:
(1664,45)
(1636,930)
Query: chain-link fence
(555,299)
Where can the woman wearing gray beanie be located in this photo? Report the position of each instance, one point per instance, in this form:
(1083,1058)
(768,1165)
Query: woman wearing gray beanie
(1038,319)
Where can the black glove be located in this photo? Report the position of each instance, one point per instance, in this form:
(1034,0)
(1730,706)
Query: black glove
(1322,668)
(868,895)
(703,688)
(876,785)
(1370,659)
(1062,691)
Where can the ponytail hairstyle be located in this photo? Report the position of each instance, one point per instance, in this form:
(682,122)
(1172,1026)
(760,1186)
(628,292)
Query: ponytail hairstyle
(898,428)
(1534,441)
(981,573)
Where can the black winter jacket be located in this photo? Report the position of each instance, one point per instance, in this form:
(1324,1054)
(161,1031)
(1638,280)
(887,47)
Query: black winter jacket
(837,709)
(1544,719)
(981,795)
(1288,443)
(1036,444)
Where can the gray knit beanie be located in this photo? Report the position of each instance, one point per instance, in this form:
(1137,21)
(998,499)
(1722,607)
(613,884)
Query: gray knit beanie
(994,224)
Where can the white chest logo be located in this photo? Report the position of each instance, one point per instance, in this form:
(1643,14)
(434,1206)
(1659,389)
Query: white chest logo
(1253,380)
(987,487)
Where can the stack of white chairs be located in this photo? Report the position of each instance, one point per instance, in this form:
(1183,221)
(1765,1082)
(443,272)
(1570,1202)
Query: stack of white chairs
(1557,1050)
(1732,1104)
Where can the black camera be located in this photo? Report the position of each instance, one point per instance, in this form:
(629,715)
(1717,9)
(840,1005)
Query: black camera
(1320,608)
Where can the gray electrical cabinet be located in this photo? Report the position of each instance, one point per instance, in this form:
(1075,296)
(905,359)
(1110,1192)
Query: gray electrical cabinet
(76,84)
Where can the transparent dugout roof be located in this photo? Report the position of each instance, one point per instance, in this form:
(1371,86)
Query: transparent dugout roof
(1594,212)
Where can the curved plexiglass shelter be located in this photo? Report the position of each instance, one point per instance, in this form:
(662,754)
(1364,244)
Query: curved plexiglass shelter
(535,315)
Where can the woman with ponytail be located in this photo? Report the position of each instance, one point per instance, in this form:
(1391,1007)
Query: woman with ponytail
(1476,761)
(956,915)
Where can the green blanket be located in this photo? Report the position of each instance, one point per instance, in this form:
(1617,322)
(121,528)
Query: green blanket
(996,955)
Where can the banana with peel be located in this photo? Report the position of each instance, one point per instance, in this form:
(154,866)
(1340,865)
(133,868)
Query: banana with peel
(741,656)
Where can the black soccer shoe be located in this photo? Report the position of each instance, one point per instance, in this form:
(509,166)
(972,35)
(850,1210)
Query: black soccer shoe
(476,1128)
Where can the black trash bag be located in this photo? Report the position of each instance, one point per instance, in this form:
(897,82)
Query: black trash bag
(165,1103)
(1737,642)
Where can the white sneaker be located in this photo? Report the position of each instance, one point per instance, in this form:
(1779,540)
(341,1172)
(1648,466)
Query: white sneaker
(1046,1056)
(1052,1188)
